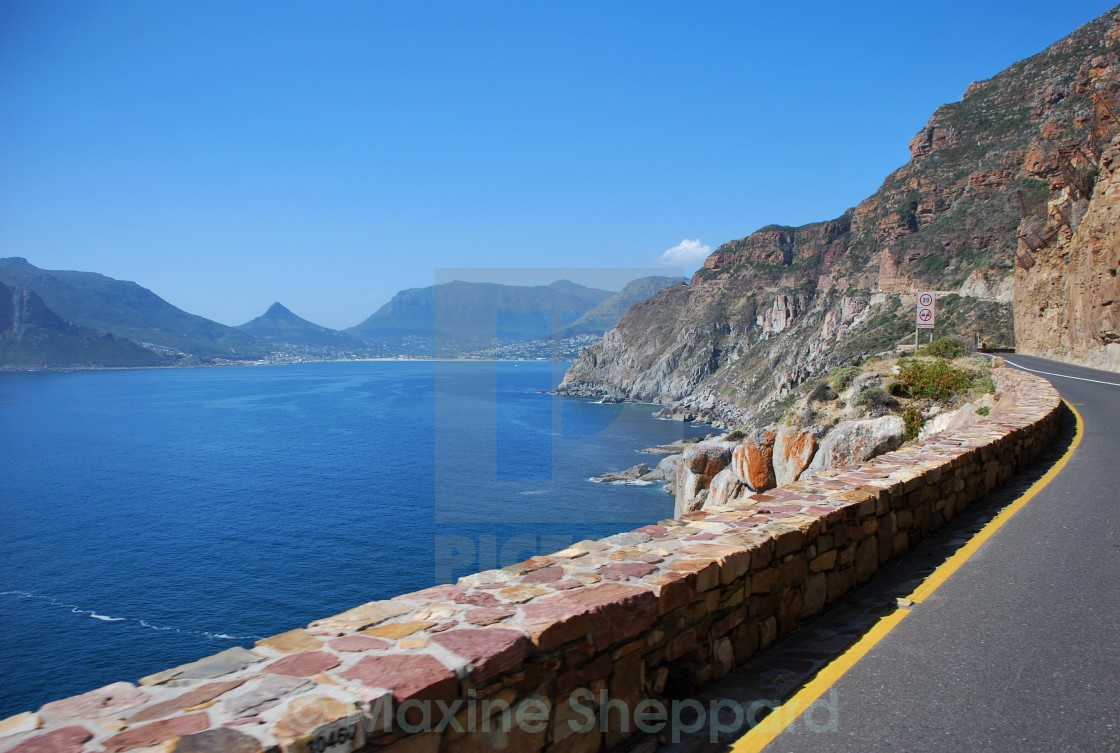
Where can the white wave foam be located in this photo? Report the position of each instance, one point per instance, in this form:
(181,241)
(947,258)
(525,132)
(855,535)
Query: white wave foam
(75,609)
(620,482)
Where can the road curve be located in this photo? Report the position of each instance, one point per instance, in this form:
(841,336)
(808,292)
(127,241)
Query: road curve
(1019,650)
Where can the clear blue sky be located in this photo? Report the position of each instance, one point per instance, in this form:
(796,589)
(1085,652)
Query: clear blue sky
(326,155)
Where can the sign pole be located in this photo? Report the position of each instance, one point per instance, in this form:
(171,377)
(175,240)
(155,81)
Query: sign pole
(925,314)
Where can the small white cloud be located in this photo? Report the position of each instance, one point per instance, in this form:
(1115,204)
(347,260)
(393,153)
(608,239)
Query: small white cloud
(687,252)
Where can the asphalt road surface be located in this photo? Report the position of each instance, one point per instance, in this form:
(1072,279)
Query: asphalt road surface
(1020,649)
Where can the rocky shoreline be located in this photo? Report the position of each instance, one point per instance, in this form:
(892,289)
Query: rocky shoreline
(664,472)
(854,415)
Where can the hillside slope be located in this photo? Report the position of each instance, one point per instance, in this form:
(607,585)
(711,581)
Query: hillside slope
(127,310)
(34,337)
(608,313)
(455,317)
(773,309)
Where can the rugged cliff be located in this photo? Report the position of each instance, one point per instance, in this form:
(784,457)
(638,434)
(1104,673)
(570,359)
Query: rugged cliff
(769,311)
(1067,302)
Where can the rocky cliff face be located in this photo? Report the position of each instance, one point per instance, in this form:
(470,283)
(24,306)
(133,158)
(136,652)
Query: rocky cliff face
(769,311)
(1068,289)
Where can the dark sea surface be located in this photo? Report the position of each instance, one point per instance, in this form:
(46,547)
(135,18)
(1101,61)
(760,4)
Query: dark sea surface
(151,518)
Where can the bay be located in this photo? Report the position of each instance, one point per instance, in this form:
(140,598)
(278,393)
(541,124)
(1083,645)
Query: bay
(153,517)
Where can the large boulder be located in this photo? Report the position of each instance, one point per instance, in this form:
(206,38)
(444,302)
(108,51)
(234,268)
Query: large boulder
(699,464)
(725,487)
(666,470)
(852,442)
(753,460)
(793,451)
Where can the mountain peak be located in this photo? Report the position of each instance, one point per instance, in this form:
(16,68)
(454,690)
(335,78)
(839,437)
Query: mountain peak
(280,325)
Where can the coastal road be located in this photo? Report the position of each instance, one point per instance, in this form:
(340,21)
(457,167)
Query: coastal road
(1019,650)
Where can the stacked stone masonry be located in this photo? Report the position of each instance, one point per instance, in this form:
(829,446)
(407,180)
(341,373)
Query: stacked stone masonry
(655,611)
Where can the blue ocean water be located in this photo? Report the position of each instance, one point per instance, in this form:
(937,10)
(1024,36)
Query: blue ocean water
(151,518)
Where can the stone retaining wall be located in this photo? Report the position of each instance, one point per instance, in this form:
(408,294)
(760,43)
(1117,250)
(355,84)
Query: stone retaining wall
(520,659)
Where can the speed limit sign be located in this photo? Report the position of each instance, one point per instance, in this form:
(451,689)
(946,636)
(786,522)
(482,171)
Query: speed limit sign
(927,310)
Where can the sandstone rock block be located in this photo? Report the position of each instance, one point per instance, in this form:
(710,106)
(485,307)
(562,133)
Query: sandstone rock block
(793,452)
(490,652)
(110,700)
(261,695)
(221,663)
(397,630)
(358,643)
(290,642)
(363,616)
(156,732)
(20,723)
(753,460)
(407,675)
(223,739)
(305,664)
(65,740)
(184,701)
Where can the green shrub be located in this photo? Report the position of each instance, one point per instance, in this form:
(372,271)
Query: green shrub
(943,347)
(876,398)
(898,389)
(907,211)
(913,420)
(735,436)
(985,384)
(842,378)
(936,380)
(983,410)
(821,393)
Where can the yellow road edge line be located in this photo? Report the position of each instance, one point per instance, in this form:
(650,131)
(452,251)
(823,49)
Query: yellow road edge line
(938,577)
(773,725)
(766,731)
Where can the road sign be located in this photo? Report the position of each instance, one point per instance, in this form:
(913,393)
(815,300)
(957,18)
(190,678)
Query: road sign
(927,310)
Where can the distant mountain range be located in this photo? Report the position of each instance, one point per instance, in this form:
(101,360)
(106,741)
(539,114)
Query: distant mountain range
(65,319)
(127,310)
(34,337)
(608,313)
(457,317)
